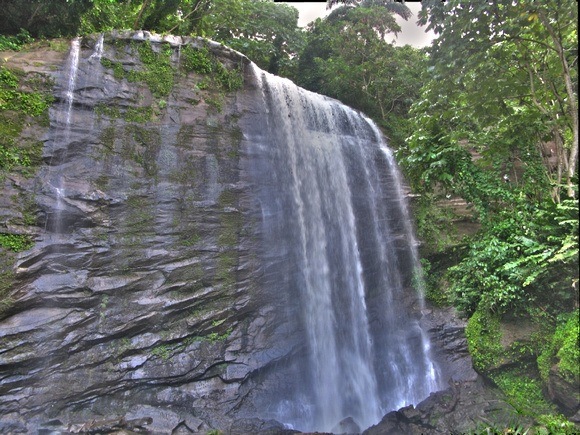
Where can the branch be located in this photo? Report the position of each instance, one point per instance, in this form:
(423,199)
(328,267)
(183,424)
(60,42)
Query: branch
(138,19)
(33,15)
(194,10)
(533,93)
(572,99)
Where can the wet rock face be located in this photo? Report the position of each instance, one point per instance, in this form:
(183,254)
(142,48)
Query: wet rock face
(140,298)
(564,392)
(463,407)
(142,304)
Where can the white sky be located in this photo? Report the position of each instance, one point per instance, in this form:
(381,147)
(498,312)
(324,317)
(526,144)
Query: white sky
(411,33)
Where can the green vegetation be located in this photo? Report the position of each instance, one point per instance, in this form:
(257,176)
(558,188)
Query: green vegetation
(162,351)
(158,73)
(265,31)
(524,260)
(347,57)
(166,350)
(15,42)
(484,128)
(555,424)
(219,78)
(563,349)
(523,393)
(16,242)
(16,106)
(483,338)
(197,60)
(103,307)
(24,102)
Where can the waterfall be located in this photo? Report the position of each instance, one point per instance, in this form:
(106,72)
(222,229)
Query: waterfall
(98,49)
(61,137)
(73,66)
(338,241)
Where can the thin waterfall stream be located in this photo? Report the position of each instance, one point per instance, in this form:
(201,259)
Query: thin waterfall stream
(339,241)
(64,123)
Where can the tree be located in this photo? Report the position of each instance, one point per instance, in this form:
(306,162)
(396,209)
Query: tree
(265,31)
(174,16)
(393,6)
(497,125)
(501,70)
(42,18)
(347,57)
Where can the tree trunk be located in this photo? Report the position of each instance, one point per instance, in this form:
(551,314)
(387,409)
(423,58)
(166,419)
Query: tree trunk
(572,102)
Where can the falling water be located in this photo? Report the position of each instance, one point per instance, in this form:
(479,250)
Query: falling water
(72,78)
(62,137)
(98,49)
(340,243)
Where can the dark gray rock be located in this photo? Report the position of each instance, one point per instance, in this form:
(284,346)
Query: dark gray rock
(347,426)
(447,333)
(140,298)
(564,392)
(463,408)
(259,426)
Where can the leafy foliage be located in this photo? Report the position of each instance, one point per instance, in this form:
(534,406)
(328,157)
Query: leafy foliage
(501,75)
(196,60)
(563,349)
(524,260)
(392,6)
(42,18)
(158,72)
(15,242)
(523,393)
(15,42)
(201,61)
(347,57)
(264,31)
(173,16)
(496,126)
(15,105)
(555,424)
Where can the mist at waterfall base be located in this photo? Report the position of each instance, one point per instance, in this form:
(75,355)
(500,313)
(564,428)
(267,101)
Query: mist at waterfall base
(339,245)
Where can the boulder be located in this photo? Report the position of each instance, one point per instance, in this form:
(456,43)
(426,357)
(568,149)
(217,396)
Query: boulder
(464,407)
(564,392)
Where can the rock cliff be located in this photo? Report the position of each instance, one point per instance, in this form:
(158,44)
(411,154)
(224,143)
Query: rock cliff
(141,302)
(138,298)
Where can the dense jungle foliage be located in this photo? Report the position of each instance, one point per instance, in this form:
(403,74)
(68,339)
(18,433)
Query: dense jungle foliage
(488,114)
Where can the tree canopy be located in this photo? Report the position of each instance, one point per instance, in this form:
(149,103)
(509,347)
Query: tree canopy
(265,31)
(496,124)
(503,76)
(346,57)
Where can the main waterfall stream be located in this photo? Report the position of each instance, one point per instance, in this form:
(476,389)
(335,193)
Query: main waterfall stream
(339,243)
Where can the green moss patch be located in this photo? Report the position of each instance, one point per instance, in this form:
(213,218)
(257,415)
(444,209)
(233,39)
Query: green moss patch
(563,349)
(202,61)
(24,99)
(483,340)
(524,393)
